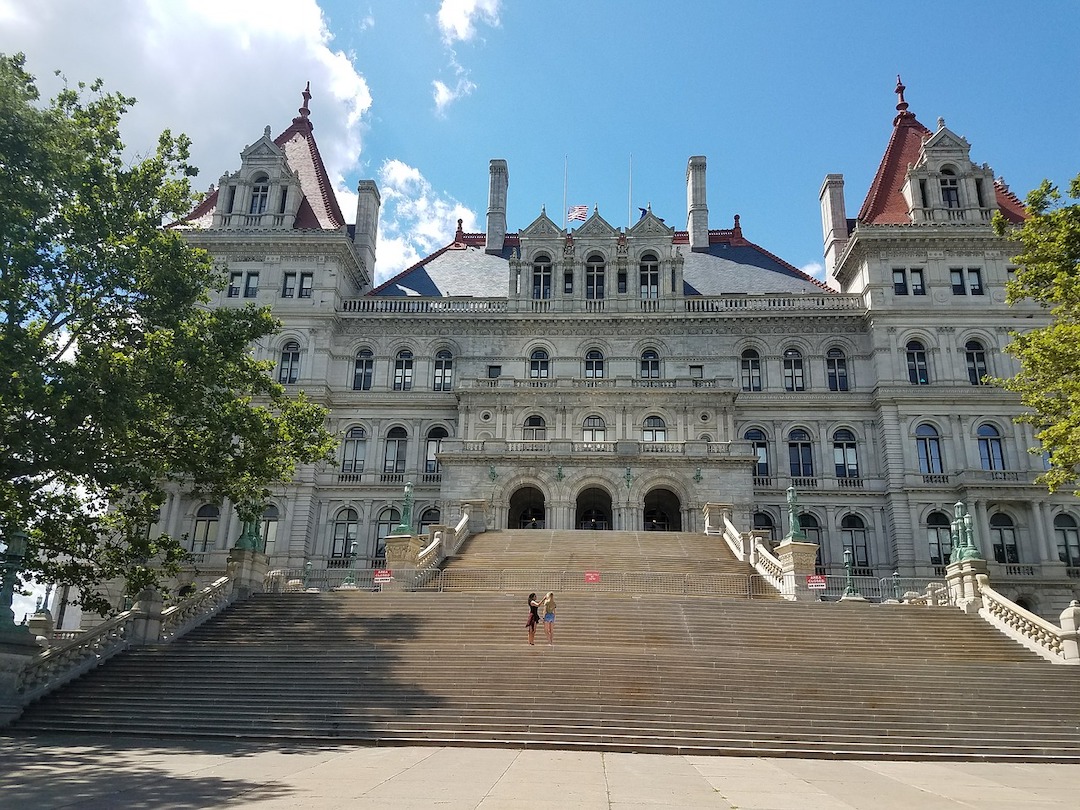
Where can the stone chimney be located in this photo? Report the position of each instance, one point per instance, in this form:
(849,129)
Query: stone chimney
(496,213)
(697,212)
(834,229)
(367,224)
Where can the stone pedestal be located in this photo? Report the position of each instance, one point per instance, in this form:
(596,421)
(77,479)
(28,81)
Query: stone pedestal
(477,514)
(1070,632)
(402,553)
(962,579)
(714,514)
(147,628)
(42,626)
(797,560)
(17,649)
(247,570)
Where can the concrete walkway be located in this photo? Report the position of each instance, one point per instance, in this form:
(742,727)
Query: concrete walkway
(84,772)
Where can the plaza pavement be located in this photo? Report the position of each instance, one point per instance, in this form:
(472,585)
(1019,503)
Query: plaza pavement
(70,771)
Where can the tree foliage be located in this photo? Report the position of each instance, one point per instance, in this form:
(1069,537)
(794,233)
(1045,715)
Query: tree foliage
(1049,356)
(116,381)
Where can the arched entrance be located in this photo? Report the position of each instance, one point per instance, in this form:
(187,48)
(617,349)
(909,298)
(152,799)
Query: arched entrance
(662,511)
(593,509)
(526,509)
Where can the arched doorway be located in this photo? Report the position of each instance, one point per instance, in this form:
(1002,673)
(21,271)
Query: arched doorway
(593,509)
(663,511)
(526,509)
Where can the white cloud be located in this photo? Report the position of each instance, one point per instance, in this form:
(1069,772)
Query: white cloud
(216,71)
(457,18)
(415,220)
(444,94)
(815,269)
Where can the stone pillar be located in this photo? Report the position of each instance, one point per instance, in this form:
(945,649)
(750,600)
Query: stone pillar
(16,651)
(714,516)
(476,510)
(148,606)
(1070,632)
(247,569)
(962,580)
(797,560)
(42,626)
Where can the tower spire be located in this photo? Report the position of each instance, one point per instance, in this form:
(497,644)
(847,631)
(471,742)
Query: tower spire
(901,104)
(304,110)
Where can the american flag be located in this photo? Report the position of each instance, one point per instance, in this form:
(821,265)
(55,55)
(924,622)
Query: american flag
(578,212)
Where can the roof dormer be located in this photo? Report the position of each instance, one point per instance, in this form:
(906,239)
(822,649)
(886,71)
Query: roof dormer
(264,193)
(945,186)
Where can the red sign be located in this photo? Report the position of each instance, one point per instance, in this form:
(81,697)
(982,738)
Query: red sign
(815,582)
(383,575)
(592,577)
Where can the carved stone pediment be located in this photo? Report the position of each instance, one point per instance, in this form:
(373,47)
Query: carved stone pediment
(540,228)
(650,225)
(596,228)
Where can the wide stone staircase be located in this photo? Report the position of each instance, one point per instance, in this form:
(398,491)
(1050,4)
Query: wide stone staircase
(629,671)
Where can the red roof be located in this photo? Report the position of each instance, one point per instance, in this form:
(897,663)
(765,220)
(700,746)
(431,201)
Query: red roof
(885,203)
(319,207)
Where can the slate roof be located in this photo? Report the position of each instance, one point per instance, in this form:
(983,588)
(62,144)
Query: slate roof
(319,207)
(731,265)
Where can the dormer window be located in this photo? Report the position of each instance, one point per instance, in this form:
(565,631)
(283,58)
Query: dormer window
(594,278)
(950,189)
(541,278)
(260,195)
(649,270)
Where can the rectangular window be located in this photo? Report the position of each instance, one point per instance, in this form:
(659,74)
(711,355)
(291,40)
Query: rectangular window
(697,372)
(288,285)
(917,285)
(899,282)
(494,372)
(251,285)
(568,282)
(975,285)
(306,280)
(234,284)
(956,276)
(622,281)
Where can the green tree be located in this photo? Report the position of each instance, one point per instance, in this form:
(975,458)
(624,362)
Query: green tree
(1049,377)
(116,381)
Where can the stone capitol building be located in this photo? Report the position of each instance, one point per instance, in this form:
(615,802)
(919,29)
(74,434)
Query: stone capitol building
(601,377)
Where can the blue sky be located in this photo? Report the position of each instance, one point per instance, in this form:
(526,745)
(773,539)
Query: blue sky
(421,94)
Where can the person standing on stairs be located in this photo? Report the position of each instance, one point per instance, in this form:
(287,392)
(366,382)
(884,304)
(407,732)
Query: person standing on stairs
(534,617)
(549,617)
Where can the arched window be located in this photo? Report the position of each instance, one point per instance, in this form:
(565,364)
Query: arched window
(800,454)
(541,278)
(204,538)
(363,370)
(794,379)
(389,520)
(268,528)
(759,443)
(991,451)
(289,368)
(1003,538)
(354,450)
(538,365)
(845,458)
(836,369)
(654,430)
(939,537)
(403,371)
(649,273)
(594,364)
(594,277)
(918,372)
(428,518)
(1068,540)
(976,361)
(853,534)
(763,522)
(534,429)
(444,371)
(434,445)
(397,441)
(260,194)
(929,447)
(594,429)
(950,189)
(751,370)
(650,365)
(346,525)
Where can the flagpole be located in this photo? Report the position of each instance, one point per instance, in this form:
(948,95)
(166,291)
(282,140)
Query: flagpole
(566,223)
(630,191)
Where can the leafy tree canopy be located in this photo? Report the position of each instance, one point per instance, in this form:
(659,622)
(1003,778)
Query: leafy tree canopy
(1049,377)
(116,381)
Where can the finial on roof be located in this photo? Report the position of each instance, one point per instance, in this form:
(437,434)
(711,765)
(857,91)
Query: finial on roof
(459,236)
(940,123)
(266,131)
(304,111)
(901,105)
(738,227)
